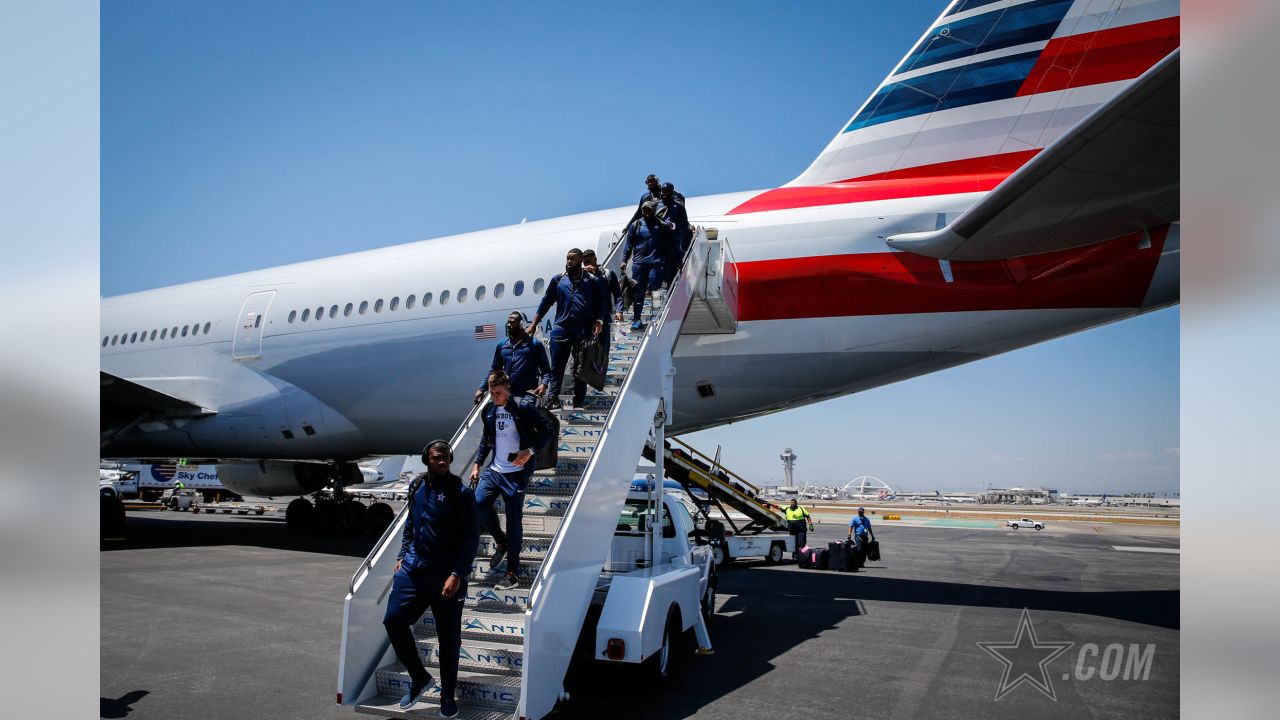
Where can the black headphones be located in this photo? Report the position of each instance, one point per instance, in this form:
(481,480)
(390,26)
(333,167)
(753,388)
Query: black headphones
(438,441)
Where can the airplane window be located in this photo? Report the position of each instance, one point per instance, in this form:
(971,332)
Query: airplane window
(538,285)
(497,290)
(346,311)
(408,302)
(377,306)
(195,329)
(143,338)
(333,311)
(319,312)
(462,295)
(174,331)
(164,333)
(153,334)
(134,339)
(206,327)
(364,306)
(114,338)
(187,327)
(518,289)
(479,293)
(426,299)
(306,314)
(105,340)
(444,298)
(293,315)
(395,303)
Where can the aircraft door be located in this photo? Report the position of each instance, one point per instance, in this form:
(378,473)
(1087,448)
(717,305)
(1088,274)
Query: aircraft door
(247,343)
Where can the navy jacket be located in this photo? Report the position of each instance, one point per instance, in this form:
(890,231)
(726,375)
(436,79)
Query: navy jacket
(679,216)
(613,290)
(578,305)
(526,364)
(441,533)
(656,198)
(648,242)
(532,427)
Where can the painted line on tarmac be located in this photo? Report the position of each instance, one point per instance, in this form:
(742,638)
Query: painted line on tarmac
(1135,548)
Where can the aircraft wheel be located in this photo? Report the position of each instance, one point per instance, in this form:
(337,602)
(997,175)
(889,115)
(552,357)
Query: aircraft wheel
(379,518)
(299,515)
(351,516)
(326,515)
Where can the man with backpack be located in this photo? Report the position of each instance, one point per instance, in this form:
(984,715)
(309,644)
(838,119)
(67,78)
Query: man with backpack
(671,208)
(524,359)
(514,433)
(647,241)
(580,315)
(436,552)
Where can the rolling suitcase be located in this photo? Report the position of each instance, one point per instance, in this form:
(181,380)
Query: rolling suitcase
(857,555)
(805,557)
(822,560)
(873,551)
(838,557)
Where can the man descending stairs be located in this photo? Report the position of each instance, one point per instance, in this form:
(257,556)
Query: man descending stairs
(493,617)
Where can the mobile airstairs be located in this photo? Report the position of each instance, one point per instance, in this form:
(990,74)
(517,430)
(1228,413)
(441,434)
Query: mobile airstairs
(517,644)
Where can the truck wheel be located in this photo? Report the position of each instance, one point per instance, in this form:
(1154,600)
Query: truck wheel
(709,600)
(660,663)
(299,514)
(720,556)
(775,554)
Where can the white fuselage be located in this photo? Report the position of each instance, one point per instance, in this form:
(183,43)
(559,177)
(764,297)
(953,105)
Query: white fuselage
(383,381)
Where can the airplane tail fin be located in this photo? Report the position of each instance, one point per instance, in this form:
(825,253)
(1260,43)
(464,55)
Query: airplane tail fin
(989,85)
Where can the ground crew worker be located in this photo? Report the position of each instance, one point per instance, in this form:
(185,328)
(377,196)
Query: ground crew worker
(613,290)
(647,240)
(524,359)
(436,552)
(860,528)
(797,518)
(514,433)
(672,208)
(580,314)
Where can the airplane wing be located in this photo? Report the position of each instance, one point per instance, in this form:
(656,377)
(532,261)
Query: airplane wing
(1114,174)
(124,403)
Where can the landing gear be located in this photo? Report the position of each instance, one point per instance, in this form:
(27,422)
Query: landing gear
(351,516)
(380,516)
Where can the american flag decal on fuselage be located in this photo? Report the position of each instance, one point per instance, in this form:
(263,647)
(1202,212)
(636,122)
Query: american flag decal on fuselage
(486,332)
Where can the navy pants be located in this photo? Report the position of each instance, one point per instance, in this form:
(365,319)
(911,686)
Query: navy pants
(797,528)
(564,349)
(648,277)
(412,594)
(511,487)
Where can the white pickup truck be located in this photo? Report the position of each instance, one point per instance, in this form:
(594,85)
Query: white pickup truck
(1024,523)
(643,612)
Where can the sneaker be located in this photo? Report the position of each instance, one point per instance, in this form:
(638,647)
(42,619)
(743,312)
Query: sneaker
(496,558)
(415,694)
(507,582)
(448,708)
(553,404)
(637,325)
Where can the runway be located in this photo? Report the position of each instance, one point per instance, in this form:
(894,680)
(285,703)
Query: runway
(229,616)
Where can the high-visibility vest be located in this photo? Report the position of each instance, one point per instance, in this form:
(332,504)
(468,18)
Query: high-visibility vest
(797,513)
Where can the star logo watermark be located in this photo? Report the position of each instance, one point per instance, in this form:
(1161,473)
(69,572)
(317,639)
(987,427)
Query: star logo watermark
(1026,659)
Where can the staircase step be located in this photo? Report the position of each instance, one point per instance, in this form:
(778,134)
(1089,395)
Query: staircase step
(482,596)
(486,656)
(543,504)
(475,690)
(577,447)
(582,419)
(500,625)
(481,571)
(553,485)
(532,544)
(388,706)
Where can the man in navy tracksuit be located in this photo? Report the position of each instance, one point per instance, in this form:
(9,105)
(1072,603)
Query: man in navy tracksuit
(514,433)
(580,314)
(439,545)
(654,193)
(524,359)
(672,208)
(612,289)
(647,241)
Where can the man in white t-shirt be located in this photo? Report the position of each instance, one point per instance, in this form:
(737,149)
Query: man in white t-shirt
(513,433)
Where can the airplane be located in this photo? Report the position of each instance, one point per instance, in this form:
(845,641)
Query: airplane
(1012,180)
(1085,502)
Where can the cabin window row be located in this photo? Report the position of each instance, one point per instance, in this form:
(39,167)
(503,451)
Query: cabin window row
(160,334)
(412,301)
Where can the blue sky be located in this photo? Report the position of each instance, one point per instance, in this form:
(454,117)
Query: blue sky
(239,135)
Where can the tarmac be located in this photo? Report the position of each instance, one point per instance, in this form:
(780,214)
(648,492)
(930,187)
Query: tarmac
(232,616)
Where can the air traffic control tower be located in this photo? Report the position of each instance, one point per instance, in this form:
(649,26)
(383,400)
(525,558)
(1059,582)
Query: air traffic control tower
(788,466)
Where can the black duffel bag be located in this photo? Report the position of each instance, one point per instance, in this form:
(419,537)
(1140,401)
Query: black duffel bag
(595,362)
